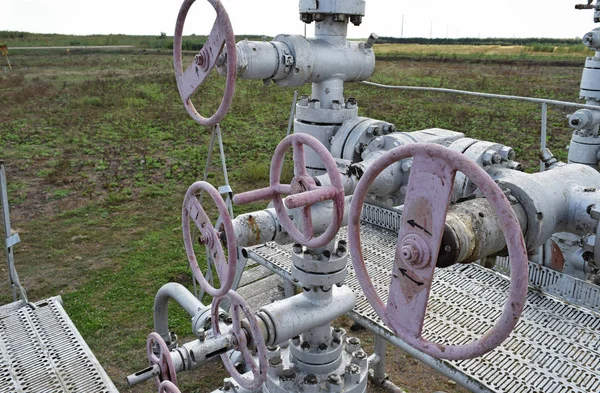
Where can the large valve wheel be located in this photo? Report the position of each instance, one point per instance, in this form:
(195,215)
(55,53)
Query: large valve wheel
(259,371)
(193,77)
(209,236)
(168,387)
(303,189)
(423,219)
(163,359)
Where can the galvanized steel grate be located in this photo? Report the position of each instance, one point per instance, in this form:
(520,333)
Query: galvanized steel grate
(555,347)
(41,351)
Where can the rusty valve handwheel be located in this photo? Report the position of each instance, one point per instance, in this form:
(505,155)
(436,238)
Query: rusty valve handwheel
(225,266)
(304,192)
(193,77)
(259,371)
(423,219)
(168,387)
(163,359)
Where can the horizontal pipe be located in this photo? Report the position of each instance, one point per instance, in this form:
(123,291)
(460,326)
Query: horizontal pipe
(293,316)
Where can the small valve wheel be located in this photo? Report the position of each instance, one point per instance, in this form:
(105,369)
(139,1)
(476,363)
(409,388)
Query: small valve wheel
(163,359)
(193,77)
(303,189)
(259,371)
(209,236)
(427,200)
(168,387)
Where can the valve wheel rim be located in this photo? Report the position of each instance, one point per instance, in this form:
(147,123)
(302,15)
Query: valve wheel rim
(192,210)
(302,199)
(221,33)
(168,387)
(259,371)
(163,360)
(512,232)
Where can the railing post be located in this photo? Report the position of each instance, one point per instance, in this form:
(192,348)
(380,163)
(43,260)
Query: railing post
(544,133)
(545,251)
(10,240)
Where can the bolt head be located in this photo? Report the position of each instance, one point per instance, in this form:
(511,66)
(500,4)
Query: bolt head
(379,142)
(303,101)
(406,165)
(314,103)
(356,20)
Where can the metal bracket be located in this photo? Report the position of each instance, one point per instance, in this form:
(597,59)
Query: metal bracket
(12,240)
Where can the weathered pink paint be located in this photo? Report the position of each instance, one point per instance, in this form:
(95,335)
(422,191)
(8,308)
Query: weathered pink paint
(304,192)
(428,197)
(225,266)
(168,387)
(259,371)
(163,360)
(197,72)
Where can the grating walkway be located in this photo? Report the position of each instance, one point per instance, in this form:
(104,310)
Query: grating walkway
(41,351)
(555,347)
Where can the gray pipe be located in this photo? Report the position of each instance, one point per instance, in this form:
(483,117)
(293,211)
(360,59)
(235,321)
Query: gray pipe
(182,296)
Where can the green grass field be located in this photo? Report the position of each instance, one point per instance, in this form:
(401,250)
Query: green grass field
(99,153)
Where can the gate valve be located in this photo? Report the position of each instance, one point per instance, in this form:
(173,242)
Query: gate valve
(250,330)
(210,237)
(162,359)
(303,191)
(193,77)
(428,197)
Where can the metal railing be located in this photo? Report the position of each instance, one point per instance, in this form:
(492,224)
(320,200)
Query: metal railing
(18,292)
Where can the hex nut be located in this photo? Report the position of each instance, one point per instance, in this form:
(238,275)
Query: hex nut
(352,344)
(303,101)
(507,153)
(406,165)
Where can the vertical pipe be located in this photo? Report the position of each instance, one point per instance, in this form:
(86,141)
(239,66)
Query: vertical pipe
(379,368)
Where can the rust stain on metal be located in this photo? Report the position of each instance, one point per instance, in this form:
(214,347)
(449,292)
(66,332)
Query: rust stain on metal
(254,228)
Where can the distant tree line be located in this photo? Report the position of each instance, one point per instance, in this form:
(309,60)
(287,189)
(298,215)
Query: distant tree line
(480,41)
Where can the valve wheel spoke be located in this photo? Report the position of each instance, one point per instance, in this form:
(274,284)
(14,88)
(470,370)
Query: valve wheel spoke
(188,81)
(163,360)
(239,306)
(225,265)
(423,219)
(303,192)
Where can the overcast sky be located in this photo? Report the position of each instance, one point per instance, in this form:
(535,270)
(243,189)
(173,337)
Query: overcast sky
(459,18)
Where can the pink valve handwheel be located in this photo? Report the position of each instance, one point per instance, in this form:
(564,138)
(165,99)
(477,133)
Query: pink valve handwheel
(304,192)
(164,361)
(168,387)
(428,197)
(193,77)
(209,236)
(259,371)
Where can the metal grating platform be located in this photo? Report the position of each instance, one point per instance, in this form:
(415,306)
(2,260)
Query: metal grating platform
(555,347)
(41,351)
